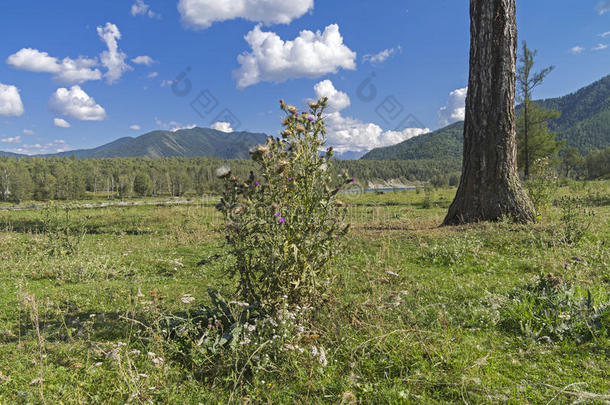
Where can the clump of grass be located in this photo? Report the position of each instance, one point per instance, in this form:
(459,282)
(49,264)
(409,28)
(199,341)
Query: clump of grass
(576,219)
(554,309)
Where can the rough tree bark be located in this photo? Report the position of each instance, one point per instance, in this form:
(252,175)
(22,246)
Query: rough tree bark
(489,187)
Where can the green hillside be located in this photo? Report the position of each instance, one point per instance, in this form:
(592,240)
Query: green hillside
(584,124)
(195,142)
(445,143)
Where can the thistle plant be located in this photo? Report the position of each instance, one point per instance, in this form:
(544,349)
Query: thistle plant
(284,225)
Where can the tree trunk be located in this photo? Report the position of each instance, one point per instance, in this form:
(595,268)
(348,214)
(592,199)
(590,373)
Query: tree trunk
(526,139)
(489,187)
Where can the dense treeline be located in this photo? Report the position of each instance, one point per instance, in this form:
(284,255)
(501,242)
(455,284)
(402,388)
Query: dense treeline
(64,178)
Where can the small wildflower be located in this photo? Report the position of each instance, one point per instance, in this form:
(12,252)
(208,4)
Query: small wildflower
(310,118)
(187,299)
(282,220)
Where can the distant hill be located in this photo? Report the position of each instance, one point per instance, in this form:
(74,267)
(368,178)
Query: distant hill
(11,154)
(195,142)
(445,143)
(585,116)
(584,124)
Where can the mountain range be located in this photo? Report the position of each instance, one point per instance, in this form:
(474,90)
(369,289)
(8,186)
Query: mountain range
(584,123)
(194,142)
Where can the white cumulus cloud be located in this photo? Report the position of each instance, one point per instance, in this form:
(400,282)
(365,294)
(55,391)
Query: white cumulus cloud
(337,100)
(222,126)
(61,123)
(141,8)
(143,60)
(77,104)
(455,110)
(576,50)
(309,55)
(600,47)
(29,132)
(113,59)
(173,126)
(603,7)
(16,139)
(67,70)
(135,127)
(200,14)
(10,101)
(351,134)
(381,56)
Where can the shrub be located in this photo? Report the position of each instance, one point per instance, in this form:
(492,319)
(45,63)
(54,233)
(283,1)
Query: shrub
(541,185)
(284,227)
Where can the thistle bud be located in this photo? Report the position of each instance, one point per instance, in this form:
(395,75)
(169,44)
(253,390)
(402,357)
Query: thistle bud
(292,109)
(300,128)
(282,165)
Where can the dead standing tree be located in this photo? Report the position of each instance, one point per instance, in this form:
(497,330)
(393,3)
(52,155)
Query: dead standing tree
(489,187)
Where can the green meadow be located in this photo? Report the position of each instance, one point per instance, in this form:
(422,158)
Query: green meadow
(418,313)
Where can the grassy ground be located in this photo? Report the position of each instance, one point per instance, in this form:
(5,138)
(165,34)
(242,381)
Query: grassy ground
(419,314)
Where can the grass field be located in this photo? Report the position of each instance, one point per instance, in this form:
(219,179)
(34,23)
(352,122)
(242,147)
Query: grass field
(418,314)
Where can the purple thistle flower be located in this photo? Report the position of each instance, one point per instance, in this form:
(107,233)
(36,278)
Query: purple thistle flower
(256,183)
(236,229)
(282,220)
(578,259)
(277,214)
(353,179)
(565,265)
(290,179)
(310,118)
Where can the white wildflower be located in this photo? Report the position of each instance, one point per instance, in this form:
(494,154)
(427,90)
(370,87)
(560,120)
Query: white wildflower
(222,172)
(187,299)
(314,351)
(323,360)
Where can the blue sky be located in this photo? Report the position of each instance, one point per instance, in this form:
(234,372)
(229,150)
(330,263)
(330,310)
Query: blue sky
(70,76)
